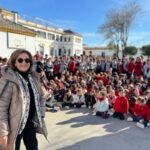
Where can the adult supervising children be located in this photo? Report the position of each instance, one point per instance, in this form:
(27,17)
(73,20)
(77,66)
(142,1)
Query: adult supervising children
(22,103)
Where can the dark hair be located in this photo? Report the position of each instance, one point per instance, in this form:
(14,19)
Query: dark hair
(141,99)
(148,102)
(133,98)
(14,56)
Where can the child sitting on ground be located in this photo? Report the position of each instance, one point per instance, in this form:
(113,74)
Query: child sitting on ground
(121,105)
(132,103)
(67,100)
(90,99)
(78,98)
(138,111)
(102,105)
(111,98)
(146,121)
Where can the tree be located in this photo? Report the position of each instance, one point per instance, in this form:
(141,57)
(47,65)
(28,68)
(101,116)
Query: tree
(146,50)
(130,50)
(118,24)
(111,45)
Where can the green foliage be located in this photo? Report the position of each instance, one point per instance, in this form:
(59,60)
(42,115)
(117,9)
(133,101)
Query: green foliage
(130,50)
(112,46)
(146,50)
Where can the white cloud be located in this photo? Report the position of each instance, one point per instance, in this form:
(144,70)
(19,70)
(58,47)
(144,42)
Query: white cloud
(68,24)
(90,34)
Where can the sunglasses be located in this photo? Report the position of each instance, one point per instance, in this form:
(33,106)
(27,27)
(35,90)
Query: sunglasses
(26,60)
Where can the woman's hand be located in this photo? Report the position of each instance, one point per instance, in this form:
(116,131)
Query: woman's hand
(3,141)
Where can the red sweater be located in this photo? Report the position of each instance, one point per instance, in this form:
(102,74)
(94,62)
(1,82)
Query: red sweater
(56,68)
(120,68)
(148,114)
(130,67)
(104,79)
(138,69)
(72,66)
(121,104)
(139,110)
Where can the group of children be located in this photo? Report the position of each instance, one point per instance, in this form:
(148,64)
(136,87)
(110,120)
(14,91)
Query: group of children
(107,86)
(104,93)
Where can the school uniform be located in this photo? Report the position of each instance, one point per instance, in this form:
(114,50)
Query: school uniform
(121,107)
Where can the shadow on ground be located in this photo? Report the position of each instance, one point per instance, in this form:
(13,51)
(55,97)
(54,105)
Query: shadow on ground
(122,135)
(117,141)
(89,119)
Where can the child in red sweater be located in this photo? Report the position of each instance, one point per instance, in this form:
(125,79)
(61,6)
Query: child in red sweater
(138,111)
(146,121)
(121,105)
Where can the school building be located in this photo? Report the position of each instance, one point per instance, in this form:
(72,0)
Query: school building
(17,32)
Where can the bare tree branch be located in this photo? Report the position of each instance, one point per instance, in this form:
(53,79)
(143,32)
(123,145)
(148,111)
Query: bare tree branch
(118,23)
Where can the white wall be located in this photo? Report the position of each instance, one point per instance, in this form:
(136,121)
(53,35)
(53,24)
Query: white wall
(4,51)
(31,44)
(99,52)
(7,48)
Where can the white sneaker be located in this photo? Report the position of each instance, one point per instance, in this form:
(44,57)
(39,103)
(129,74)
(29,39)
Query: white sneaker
(129,119)
(148,124)
(110,113)
(89,107)
(140,125)
(94,113)
(141,121)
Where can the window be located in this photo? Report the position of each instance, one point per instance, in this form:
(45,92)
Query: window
(69,39)
(51,36)
(41,34)
(59,52)
(60,38)
(51,51)
(65,39)
(69,52)
(103,54)
(57,37)
(65,52)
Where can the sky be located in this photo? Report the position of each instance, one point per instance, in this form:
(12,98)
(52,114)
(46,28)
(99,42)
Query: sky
(83,17)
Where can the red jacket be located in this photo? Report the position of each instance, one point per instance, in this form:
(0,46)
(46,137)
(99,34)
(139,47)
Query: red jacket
(130,67)
(88,88)
(56,68)
(104,79)
(121,104)
(120,68)
(72,66)
(138,69)
(148,114)
(139,110)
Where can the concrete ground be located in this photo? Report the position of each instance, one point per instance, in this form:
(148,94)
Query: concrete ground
(78,129)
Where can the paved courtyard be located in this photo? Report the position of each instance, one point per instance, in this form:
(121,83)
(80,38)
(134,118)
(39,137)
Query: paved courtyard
(78,129)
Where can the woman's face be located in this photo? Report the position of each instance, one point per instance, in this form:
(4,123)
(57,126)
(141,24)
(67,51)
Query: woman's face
(23,62)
